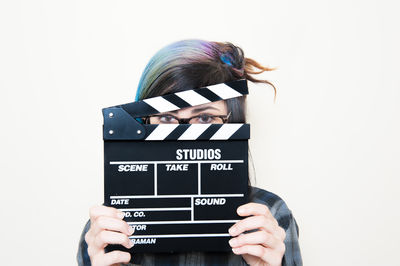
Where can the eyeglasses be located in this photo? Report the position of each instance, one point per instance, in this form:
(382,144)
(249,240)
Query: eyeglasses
(198,119)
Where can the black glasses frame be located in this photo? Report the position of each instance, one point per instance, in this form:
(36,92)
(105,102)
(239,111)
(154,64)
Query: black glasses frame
(186,120)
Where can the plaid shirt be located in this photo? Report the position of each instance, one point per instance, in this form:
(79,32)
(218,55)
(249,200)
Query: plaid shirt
(278,209)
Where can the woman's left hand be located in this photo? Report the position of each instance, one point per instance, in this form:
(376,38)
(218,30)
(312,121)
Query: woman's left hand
(263,247)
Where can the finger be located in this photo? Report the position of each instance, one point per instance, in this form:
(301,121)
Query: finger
(109,237)
(94,251)
(266,254)
(111,224)
(253,208)
(92,248)
(111,258)
(107,223)
(254,222)
(281,233)
(101,210)
(88,236)
(260,237)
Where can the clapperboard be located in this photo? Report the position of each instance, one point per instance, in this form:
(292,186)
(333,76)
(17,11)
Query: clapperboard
(178,185)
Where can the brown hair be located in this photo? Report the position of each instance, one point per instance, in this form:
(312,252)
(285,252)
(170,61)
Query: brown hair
(193,64)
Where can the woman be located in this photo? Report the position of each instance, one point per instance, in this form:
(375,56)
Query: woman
(186,65)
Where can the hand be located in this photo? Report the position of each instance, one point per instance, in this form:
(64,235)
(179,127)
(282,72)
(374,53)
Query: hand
(265,246)
(107,227)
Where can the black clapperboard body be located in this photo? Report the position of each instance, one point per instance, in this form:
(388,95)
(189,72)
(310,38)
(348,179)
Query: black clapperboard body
(178,185)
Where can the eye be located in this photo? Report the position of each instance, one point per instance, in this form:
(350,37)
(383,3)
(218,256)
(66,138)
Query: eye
(205,119)
(167,119)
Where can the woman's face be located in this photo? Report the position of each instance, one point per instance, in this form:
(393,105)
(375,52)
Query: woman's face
(209,113)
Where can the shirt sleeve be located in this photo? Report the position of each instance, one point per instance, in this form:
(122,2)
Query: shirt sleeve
(292,255)
(82,256)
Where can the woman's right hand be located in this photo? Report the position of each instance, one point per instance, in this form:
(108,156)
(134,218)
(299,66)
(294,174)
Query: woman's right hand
(107,227)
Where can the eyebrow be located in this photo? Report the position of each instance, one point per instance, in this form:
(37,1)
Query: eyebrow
(196,110)
(201,109)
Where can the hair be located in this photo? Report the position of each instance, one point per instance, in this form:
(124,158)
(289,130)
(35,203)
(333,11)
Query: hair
(191,64)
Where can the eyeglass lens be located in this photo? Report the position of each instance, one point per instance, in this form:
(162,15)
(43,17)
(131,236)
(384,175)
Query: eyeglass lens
(201,119)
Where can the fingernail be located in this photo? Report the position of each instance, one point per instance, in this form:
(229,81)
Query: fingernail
(131,230)
(232,230)
(131,243)
(241,210)
(120,215)
(235,250)
(233,242)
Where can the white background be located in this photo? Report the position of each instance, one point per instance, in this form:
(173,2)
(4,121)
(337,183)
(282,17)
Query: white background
(329,145)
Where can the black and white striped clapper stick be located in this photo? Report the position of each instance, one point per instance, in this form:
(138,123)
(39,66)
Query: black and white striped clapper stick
(178,185)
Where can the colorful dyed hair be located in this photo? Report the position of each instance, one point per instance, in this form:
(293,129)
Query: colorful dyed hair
(191,64)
